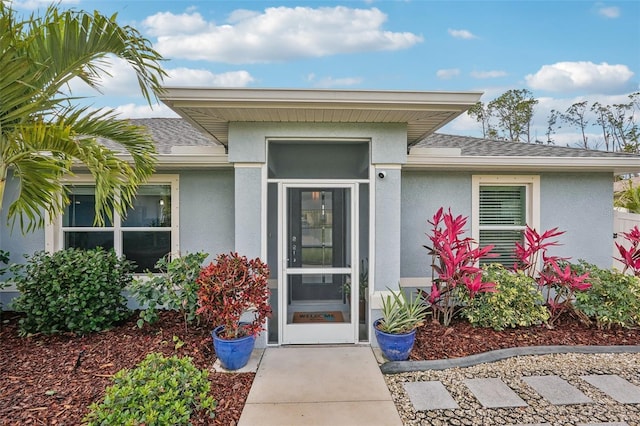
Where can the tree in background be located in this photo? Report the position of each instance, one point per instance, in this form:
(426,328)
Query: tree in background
(629,198)
(512,113)
(575,116)
(617,123)
(43,134)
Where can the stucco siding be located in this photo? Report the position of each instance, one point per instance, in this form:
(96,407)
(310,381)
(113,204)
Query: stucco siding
(582,205)
(12,239)
(578,203)
(207,212)
(423,193)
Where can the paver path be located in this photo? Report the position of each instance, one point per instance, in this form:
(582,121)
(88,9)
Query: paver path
(495,393)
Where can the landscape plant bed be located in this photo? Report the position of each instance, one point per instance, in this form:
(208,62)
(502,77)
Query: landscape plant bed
(53,379)
(44,383)
(435,341)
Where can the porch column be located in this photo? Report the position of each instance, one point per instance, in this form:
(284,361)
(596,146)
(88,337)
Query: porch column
(248,209)
(389,152)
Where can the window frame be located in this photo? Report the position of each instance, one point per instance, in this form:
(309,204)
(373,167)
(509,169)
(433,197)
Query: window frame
(532,199)
(54,231)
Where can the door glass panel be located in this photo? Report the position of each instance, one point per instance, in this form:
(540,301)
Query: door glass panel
(319,239)
(319,228)
(318,298)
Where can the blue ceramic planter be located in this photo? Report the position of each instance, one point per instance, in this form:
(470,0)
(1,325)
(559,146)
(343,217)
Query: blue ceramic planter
(395,347)
(235,353)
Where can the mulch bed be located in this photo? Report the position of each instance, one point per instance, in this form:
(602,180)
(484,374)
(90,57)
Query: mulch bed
(434,341)
(53,379)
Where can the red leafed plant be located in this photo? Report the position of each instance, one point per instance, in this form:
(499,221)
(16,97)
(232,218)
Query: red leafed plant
(561,281)
(231,286)
(630,257)
(455,261)
(533,247)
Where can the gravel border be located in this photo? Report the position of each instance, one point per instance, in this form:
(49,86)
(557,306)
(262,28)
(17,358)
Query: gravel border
(396,367)
(568,363)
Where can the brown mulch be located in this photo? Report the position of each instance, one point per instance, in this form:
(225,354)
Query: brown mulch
(434,341)
(51,380)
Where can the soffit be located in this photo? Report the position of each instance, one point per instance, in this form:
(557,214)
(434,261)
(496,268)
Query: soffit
(211,110)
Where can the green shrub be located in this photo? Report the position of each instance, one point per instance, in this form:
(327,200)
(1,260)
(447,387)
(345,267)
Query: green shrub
(4,259)
(159,391)
(174,287)
(613,299)
(516,303)
(71,290)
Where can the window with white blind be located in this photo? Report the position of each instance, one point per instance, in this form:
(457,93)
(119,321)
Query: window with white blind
(147,232)
(503,206)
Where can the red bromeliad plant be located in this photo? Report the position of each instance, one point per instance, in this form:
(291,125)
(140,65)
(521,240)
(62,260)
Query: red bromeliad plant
(630,257)
(231,286)
(561,281)
(455,260)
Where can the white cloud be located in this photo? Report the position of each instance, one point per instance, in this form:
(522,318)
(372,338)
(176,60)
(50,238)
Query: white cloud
(35,4)
(145,111)
(446,74)
(575,76)
(196,77)
(166,24)
(277,34)
(123,81)
(463,34)
(610,12)
(488,74)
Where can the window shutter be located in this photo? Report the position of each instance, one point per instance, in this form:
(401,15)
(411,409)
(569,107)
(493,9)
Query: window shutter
(502,205)
(502,221)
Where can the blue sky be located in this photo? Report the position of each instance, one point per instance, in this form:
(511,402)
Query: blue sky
(562,51)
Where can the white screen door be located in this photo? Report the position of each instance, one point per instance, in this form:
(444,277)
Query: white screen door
(317,252)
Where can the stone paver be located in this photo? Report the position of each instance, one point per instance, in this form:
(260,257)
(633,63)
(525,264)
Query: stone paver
(430,396)
(494,393)
(604,424)
(557,390)
(616,387)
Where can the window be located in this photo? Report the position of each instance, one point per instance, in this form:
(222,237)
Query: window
(147,232)
(502,207)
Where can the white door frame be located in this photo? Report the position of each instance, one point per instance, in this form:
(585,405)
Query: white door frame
(316,333)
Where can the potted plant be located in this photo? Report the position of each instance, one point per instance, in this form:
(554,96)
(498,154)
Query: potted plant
(396,330)
(230,287)
(363,285)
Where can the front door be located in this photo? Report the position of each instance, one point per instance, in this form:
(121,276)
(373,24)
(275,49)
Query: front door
(318,248)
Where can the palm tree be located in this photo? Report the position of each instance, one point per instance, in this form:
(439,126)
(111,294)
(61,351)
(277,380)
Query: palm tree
(43,135)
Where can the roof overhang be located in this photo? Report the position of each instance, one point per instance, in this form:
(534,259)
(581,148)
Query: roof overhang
(212,109)
(615,165)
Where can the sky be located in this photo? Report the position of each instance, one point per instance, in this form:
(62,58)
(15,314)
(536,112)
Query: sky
(562,51)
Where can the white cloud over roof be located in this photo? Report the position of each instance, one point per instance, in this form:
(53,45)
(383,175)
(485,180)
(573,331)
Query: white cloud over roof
(277,34)
(463,34)
(446,74)
(488,74)
(575,76)
(609,12)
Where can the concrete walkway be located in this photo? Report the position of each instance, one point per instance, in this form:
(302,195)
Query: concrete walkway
(338,385)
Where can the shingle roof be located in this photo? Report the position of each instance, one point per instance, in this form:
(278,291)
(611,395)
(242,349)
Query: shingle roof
(168,132)
(473,147)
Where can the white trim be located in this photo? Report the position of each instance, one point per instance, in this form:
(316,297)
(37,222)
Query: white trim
(53,230)
(388,166)
(532,184)
(617,165)
(248,165)
(317,333)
